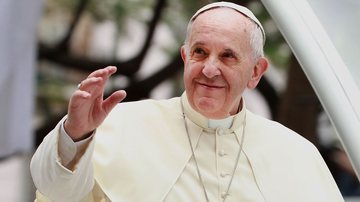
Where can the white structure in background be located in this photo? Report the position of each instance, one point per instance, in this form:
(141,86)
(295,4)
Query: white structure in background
(340,20)
(324,37)
(18,24)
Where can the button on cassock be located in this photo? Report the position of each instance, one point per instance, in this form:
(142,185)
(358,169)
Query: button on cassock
(224,195)
(223,174)
(221,153)
(221,131)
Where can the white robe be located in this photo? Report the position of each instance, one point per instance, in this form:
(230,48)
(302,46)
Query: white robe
(141,153)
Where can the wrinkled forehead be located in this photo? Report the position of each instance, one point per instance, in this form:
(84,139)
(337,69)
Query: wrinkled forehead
(241,9)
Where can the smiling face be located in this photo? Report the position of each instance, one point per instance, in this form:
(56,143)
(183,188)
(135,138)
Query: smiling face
(219,62)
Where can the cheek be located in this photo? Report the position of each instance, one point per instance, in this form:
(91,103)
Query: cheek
(237,82)
(188,77)
(191,71)
(187,72)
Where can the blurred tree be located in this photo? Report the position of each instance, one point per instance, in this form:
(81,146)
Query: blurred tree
(59,52)
(154,14)
(299,108)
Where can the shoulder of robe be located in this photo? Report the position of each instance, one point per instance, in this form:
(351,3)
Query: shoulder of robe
(148,107)
(132,119)
(273,135)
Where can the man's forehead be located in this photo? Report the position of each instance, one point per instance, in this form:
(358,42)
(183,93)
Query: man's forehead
(222,16)
(241,9)
(220,24)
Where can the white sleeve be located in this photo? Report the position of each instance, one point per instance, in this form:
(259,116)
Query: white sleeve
(54,180)
(68,149)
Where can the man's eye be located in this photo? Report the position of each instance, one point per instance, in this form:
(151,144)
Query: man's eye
(199,51)
(228,55)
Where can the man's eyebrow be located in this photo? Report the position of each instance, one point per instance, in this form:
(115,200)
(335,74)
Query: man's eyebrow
(230,50)
(198,43)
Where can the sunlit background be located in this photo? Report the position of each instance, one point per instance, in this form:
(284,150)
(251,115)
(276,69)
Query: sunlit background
(47,47)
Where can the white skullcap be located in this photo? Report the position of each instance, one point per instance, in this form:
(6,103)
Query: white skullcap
(243,10)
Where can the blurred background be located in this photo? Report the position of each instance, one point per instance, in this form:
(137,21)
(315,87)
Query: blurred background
(48,46)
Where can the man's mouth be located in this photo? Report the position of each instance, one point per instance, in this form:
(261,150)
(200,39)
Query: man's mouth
(210,86)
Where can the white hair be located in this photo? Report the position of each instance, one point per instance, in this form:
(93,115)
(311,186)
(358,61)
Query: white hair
(256,38)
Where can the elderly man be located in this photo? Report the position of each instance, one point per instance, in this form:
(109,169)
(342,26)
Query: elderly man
(202,146)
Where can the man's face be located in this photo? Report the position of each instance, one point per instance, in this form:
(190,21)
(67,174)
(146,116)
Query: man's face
(219,64)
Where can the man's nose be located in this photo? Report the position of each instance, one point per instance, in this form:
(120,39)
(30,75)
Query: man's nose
(211,68)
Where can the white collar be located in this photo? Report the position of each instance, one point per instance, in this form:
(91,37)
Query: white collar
(231,123)
(221,123)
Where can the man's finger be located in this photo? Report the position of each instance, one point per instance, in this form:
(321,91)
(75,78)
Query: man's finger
(113,99)
(89,83)
(105,72)
(78,100)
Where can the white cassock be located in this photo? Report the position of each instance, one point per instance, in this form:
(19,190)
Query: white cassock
(142,153)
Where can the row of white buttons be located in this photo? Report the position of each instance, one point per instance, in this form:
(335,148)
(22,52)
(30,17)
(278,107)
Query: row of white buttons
(222,153)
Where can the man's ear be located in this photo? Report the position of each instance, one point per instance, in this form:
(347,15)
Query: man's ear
(183,53)
(258,71)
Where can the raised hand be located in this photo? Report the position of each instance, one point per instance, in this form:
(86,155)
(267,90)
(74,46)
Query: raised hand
(87,108)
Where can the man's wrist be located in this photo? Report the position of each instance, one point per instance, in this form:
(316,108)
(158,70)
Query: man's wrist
(75,138)
(86,136)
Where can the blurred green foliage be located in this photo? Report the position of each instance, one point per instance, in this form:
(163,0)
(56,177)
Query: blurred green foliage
(55,84)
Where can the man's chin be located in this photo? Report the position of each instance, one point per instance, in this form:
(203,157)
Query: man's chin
(207,104)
